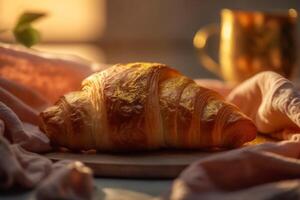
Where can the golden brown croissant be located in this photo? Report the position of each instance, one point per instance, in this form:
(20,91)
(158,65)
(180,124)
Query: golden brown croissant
(142,106)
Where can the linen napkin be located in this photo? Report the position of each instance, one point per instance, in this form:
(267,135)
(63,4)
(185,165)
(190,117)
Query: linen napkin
(21,168)
(266,171)
(272,101)
(22,97)
(51,75)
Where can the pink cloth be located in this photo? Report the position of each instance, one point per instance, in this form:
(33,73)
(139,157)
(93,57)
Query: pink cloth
(266,171)
(26,135)
(71,180)
(19,167)
(272,101)
(62,180)
(20,135)
(47,74)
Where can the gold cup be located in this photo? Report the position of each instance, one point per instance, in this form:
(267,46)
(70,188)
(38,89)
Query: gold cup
(250,42)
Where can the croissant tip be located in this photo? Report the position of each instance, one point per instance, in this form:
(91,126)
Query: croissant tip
(51,121)
(240,133)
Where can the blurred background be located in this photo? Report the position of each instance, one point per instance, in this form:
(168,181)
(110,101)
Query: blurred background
(120,31)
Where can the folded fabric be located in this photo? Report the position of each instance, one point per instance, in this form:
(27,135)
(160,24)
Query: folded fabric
(50,75)
(26,135)
(272,101)
(70,180)
(62,180)
(23,94)
(19,167)
(230,174)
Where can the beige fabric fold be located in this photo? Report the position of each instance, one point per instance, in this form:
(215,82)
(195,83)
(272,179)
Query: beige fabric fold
(272,101)
(26,135)
(50,75)
(233,174)
(69,180)
(20,168)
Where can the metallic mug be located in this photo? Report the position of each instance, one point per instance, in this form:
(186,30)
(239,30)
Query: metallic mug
(250,42)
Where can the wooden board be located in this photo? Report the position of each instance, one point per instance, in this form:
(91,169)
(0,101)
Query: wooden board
(162,164)
(157,164)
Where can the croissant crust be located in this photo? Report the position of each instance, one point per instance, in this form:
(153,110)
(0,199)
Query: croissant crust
(144,106)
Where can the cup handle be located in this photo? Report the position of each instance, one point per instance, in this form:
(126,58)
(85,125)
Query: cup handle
(200,43)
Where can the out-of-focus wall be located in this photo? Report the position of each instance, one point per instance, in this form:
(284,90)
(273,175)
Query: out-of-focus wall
(175,19)
(128,20)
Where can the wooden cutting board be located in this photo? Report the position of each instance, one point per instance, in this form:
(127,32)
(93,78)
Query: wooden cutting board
(157,164)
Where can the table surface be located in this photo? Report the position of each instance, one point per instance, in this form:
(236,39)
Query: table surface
(110,189)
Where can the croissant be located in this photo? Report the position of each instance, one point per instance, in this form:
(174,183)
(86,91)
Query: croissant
(144,106)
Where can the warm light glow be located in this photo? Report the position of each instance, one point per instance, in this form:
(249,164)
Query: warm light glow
(227,26)
(80,167)
(293,13)
(226,42)
(67,20)
(200,39)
